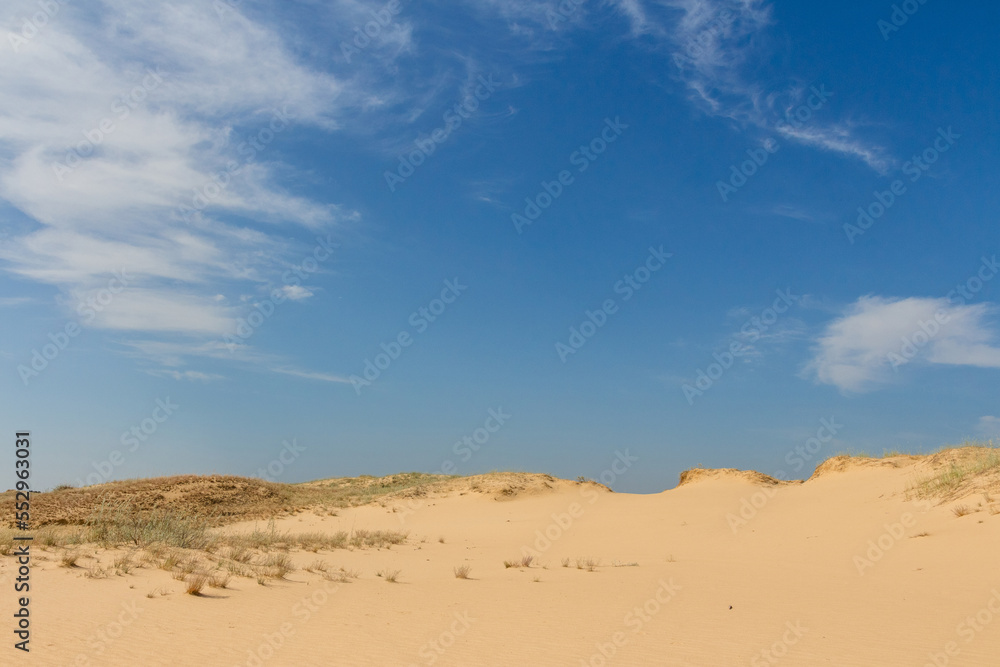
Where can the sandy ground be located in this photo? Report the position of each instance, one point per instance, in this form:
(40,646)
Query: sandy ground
(840,570)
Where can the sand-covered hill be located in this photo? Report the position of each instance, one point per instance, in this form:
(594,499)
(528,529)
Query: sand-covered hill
(883,561)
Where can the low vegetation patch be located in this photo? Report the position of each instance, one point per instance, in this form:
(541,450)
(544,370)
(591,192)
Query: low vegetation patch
(389,575)
(979,465)
(523,561)
(116,523)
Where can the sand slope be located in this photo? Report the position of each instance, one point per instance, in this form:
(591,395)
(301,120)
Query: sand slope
(729,565)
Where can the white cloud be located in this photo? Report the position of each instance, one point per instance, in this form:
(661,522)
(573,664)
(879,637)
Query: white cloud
(144,103)
(310,375)
(296,292)
(117,115)
(877,336)
(718,48)
(186,375)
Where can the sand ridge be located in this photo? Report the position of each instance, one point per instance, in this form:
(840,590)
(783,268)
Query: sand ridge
(840,569)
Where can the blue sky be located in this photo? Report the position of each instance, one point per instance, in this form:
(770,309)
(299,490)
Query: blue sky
(571,230)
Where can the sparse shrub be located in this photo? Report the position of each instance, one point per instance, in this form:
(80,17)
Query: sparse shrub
(462,571)
(219,580)
(962,510)
(317,566)
(240,554)
(96,572)
(278,565)
(113,524)
(389,575)
(195,583)
(170,561)
(123,564)
(69,558)
(523,561)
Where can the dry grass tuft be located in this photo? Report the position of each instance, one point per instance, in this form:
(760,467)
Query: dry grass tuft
(275,566)
(341,576)
(971,461)
(389,575)
(962,510)
(317,566)
(195,582)
(69,558)
(462,571)
(123,564)
(523,561)
(588,564)
(116,523)
(96,572)
(219,580)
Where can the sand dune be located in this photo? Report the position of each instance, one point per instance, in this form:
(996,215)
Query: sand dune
(729,568)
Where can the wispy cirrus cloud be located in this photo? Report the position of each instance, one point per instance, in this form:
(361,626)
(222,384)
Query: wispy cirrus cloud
(119,116)
(719,48)
(875,336)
